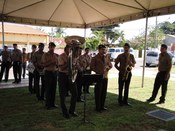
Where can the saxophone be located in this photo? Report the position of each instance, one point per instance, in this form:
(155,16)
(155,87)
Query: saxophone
(74,42)
(128,68)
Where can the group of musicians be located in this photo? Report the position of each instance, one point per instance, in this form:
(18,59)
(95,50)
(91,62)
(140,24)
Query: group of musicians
(70,67)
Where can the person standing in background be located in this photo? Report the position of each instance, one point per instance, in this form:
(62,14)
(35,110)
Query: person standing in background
(31,72)
(38,73)
(163,75)
(24,62)
(17,60)
(87,58)
(50,64)
(6,63)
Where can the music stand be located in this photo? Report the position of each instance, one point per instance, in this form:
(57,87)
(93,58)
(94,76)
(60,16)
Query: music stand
(89,79)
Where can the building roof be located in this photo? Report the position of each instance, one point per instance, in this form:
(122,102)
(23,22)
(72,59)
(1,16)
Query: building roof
(21,29)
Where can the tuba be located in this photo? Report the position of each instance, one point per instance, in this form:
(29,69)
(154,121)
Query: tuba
(128,69)
(74,42)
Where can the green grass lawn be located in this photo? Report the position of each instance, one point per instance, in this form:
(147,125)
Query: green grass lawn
(20,111)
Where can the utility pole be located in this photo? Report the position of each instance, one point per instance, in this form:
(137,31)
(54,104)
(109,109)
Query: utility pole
(156,41)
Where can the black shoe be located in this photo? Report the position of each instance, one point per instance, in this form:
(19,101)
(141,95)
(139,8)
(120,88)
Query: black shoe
(88,92)
(150,100)
(66,116)
(54,106)
(98,110)
(48,107)
(104,109)
(80,100)
(120,104)
(74,114)
(127,104)
(14,82)
(160,102)
(18,82)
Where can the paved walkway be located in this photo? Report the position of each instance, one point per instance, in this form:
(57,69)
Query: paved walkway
(24,83)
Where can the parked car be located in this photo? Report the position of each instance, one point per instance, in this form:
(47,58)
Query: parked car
(114,52)
(152,58)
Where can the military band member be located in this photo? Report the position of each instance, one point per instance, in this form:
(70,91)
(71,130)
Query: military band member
(100,64)
(88,58)
(83,66)
(6,63)
(64,83)
(17,60)
(38,73)
(163,75)
(50,63)
(124,63)
(31,72)
(24,62)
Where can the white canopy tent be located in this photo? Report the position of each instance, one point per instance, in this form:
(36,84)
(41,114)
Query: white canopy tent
(82,13)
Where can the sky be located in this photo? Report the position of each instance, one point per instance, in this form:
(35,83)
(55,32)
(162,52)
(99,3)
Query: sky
(131,29)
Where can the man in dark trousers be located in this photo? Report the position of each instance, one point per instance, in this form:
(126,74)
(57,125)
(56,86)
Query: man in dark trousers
(31,71)
(101,65)
(17,60)
(6,63)
(65,84)
(38,73)
(24,62)
(50,63)
(163,75)
(126,61)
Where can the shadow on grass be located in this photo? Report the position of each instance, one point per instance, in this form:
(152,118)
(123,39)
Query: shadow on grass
(21,111)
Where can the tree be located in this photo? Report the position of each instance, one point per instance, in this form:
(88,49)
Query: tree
(167,27)
(110,33)
(59,32)
(96,39)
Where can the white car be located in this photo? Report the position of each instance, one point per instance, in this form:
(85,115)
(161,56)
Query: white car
(114,52)
(152,58)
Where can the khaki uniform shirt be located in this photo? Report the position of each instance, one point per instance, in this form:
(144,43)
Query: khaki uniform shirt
(6,56)
(63,61)
(46,58)
(24,57)
(82,63)
(101,65)
(122,59)
(16,55)
(37,56)
(30,56)
(165,62)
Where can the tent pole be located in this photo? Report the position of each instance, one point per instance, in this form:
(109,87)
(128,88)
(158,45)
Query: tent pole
(145,46)
(3,33)
(85,36)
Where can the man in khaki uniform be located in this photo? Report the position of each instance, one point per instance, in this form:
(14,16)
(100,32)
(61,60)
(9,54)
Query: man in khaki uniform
(31,72)
(24,62)
(124,63)
(50,63)
(17,60)
(65,84)
(6,63)
(101,65)
(163,75)
(38,73)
